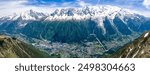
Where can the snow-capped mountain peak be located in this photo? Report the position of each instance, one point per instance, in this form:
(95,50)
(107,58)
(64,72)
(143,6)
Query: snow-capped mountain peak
(27,15)
(88,12)
(96,13)
(74,13)
(31,15)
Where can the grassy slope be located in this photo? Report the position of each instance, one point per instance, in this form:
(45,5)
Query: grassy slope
(13,48)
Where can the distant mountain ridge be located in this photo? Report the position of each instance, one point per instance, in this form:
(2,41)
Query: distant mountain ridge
(98,14)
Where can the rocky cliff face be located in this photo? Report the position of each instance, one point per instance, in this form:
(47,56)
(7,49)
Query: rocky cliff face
(14,48)
(139,48)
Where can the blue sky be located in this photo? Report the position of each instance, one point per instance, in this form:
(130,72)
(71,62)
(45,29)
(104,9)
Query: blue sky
(12,6)
(137,4)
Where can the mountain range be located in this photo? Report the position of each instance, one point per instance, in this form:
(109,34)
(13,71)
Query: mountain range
(77,32)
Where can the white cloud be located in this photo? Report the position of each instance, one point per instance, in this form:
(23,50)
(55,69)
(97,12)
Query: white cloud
(146,3)
(82,3)
(145,13)
(9,7)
